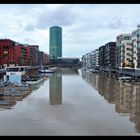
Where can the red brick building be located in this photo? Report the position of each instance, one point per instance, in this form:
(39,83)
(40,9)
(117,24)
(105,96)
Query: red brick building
(33,49)
(7,52)
(21,57)
(15,53)
(45,59)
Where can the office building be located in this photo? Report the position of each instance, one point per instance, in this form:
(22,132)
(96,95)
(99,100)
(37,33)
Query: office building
(55,49)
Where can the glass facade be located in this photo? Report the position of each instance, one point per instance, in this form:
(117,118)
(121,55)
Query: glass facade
(55,42)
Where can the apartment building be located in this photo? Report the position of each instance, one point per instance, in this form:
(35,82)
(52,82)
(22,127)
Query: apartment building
(14,53)
(102,57)
(136,47)
(95,59)
(124,51)
(87,60)
(110,56)
(7,52)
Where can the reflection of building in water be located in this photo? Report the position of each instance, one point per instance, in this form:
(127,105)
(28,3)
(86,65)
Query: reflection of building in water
(83,74)
(68,71)
(91,78)
(135,111)
(126,99)
(125,96)
(101,85)
(106,88)
(55,87)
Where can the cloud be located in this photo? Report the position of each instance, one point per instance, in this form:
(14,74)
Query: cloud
(85,26)
(29,27)
(116,23)
(61,16)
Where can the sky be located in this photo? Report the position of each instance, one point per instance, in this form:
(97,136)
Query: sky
(85,27)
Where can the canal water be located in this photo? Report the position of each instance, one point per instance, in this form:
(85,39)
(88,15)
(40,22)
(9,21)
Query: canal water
(75,103)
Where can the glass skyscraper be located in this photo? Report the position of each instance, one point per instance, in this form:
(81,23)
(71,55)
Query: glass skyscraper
(55,42)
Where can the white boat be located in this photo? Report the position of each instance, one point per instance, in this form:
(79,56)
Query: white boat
(14,74)
(47,70)
(124,78)
(34,82)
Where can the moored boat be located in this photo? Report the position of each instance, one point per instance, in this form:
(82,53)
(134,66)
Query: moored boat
(47,70)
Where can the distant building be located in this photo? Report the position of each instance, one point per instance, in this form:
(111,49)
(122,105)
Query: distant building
(87,60)
(40,57)
(94,59)
(68,62)
(91,60)
(55,49)
(83,61)
(102,57)
(45,59)
(34,49)
(110,56)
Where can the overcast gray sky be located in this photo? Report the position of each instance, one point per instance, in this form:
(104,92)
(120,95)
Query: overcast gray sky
(85,26)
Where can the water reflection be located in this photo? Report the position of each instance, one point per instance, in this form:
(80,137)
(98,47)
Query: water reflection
(55,85)
(92,79)
(55,89)
(125,96)
(11,94)
(68,71)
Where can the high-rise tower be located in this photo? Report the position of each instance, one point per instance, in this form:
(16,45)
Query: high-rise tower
(55,42)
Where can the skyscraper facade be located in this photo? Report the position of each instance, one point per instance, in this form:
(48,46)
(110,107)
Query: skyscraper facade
(55,49)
